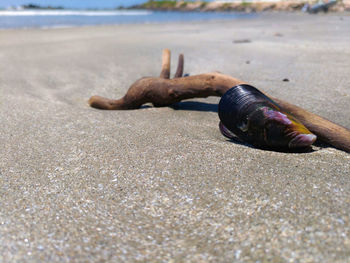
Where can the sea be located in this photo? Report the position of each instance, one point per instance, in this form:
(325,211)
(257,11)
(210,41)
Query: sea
(70,18)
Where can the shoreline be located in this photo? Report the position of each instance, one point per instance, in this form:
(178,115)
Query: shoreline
(19,19)
(203,6)
(164,17)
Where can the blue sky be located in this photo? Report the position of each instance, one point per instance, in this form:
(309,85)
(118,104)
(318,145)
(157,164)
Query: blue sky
(73,3)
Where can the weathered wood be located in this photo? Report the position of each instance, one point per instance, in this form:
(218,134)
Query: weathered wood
(165,73)
(164,92)
(180,67)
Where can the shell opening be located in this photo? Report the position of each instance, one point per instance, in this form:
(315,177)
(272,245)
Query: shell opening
(302,140)
(226,132)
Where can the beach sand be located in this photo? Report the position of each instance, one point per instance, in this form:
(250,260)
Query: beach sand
(162,184)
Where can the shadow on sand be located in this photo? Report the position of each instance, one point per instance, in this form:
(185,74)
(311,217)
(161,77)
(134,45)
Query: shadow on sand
(281,150)
(195,106)
(213,107)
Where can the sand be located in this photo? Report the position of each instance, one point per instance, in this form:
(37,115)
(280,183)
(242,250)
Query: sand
(162,184)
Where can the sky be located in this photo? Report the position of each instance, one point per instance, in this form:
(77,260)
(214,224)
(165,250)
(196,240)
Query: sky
(73,3)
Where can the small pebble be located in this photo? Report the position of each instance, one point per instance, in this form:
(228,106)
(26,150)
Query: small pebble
(240,41)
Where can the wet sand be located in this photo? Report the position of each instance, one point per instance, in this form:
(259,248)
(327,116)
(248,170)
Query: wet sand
(80,184)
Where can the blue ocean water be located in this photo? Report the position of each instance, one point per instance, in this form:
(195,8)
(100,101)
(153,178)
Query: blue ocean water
(64,18)
(74,4)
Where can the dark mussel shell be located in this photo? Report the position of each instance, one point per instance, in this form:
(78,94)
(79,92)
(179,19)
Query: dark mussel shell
(253,117)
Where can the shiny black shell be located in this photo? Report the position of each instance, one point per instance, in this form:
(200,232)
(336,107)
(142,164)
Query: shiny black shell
(241,112)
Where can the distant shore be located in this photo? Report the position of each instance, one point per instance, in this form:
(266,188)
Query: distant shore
(243,6)
(220,6)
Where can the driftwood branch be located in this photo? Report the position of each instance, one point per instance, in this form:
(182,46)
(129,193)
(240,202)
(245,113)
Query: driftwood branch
(163,91)
(180,67)
(165,73)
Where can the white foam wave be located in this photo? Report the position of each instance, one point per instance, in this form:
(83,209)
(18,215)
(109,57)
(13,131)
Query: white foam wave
(73,13)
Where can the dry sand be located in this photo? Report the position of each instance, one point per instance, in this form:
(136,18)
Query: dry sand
(159,184)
